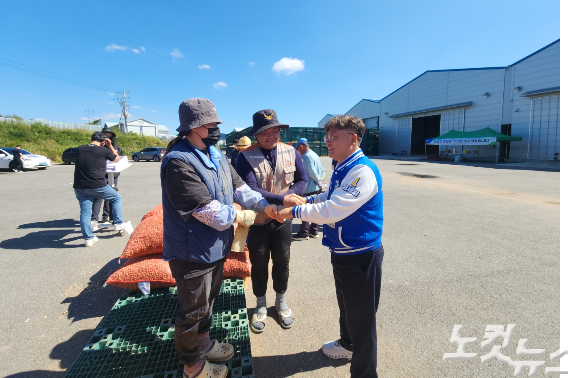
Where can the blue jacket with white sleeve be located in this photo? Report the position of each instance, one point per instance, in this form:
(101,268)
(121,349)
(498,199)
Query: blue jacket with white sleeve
(352,209)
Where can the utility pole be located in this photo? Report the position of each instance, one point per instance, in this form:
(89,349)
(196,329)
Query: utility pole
(122,101)
(89,112)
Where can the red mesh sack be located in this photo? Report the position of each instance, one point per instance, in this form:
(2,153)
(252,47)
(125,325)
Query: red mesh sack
(147,238)
(157,211)
(143,268)
(237,265)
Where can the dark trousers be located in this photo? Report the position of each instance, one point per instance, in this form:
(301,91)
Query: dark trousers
(106,205)
(270,240)
(16,165)
(358,288)
(198,285)
(306,226)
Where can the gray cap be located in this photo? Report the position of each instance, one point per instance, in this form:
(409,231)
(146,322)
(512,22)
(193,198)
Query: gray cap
(196,112)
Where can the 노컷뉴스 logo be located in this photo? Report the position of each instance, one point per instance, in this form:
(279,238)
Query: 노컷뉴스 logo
(494,333)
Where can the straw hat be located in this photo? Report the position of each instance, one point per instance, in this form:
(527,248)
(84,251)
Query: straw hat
(244,142)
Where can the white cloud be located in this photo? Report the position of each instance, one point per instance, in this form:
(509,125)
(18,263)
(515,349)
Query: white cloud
(136,107)
(204,67)
(176,54)
(110,93)
(220,85)
(152,111)
(115,47)
(288,66)
(111,116)
(250,64)
(136,51)
(142,48)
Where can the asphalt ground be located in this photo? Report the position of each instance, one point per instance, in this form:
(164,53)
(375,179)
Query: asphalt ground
(464,244)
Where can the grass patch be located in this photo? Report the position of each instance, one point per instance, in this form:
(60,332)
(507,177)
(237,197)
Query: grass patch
(40,139)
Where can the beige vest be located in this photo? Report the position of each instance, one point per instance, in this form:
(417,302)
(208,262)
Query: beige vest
(274,181)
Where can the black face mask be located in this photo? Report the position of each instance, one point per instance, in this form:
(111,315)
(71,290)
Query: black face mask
(213,137)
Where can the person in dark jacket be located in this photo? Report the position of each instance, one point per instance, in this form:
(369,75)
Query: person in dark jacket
(107,212)
(235,152)
(199,187)
(17,164)
(241,144)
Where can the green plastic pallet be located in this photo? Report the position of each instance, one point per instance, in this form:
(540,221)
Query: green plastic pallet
(135,339)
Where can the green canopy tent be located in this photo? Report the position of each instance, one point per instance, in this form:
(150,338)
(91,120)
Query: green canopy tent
(483,137)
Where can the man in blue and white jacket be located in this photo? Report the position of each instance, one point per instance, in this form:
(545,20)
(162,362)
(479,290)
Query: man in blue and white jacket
(352,214)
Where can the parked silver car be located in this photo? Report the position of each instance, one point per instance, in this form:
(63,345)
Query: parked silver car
(149,153)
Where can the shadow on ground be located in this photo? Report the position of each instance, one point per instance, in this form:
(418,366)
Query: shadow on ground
(66,352)
(58,223)
(57,238)
(288,365)
(95,300)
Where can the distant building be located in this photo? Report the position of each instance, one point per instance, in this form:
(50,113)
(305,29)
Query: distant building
(325,119)
(143,127)
(521,99)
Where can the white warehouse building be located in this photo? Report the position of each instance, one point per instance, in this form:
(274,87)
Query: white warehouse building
(522,100)
(143,127)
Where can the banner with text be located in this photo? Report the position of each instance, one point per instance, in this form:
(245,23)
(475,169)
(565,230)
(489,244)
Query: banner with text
(465,141)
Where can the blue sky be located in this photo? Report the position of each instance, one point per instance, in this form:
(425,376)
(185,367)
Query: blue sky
(303,59)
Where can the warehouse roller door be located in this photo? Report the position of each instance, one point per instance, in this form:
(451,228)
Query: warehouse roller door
(544,128)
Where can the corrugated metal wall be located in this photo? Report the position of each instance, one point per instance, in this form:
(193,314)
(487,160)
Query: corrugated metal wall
(544,128)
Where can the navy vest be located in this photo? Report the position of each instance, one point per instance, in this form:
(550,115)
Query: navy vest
(193,240)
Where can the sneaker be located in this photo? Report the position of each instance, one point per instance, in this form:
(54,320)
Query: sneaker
(300,236)
(105,219)
(333,349)
(119,227)
(94,225)
(313,234)
(90,242)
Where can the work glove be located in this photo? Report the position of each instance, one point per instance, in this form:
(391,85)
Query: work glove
(245,217)
(240,240)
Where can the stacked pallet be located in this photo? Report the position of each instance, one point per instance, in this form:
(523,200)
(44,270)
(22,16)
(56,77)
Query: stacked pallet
(136,338)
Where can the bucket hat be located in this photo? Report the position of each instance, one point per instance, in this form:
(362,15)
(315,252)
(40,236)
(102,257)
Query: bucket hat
(264,120)
(196,112)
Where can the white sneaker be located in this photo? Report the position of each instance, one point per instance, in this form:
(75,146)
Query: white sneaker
(90,242)
(333,349)
(119,227)
(94,225)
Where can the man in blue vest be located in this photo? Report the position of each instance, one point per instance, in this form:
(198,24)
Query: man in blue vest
(199,187)
(352,213)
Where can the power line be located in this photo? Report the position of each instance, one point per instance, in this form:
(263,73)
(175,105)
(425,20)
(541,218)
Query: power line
(36,71)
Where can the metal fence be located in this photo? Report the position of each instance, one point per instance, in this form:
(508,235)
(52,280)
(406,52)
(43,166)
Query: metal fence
(56,125)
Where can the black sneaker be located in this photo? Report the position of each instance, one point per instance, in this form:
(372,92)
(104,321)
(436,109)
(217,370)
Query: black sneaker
(300,236)
(313,234)
(105,219)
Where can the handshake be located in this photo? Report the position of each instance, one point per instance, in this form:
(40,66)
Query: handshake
(281,213)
